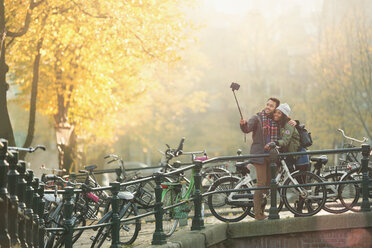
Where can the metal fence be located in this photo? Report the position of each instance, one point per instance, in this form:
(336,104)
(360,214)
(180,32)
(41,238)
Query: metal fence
(22,204)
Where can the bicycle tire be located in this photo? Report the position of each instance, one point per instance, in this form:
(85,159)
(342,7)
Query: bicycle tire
(333,204)
(169,221)
(210,175)
(51,220)
(129,230)
(309,204)
(218,200)
(350,193)
(80,221)
(99,238)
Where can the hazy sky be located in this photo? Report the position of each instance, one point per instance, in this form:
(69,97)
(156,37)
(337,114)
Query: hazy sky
(267,7)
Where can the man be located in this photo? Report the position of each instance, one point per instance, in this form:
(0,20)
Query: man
(265,130)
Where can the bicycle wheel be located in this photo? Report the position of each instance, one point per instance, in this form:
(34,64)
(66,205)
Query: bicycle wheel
(304,200)
(100,237)
(350,194)
(129,230)
(169,221)
(333,203)
(210,175)
(225,210)
(79,221)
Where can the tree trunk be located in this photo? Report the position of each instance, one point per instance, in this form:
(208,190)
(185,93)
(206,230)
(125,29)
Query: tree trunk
(34,87)
(6,130)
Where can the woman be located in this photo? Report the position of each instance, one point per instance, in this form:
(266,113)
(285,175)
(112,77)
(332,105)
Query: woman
(289,140)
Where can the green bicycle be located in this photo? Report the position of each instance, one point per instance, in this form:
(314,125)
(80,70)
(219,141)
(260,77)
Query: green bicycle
(177,188)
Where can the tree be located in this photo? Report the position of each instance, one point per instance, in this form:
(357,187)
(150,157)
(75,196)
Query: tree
(97,59)
(13,24)
(343,68)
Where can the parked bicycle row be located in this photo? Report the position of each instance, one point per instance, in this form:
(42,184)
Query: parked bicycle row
(73,203)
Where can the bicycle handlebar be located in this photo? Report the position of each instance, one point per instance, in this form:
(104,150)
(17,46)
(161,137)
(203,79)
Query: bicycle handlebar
(180,146)
(29,149)
(51,177)
(50,169)
(352,139)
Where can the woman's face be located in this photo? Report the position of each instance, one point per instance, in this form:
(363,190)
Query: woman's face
(277,115)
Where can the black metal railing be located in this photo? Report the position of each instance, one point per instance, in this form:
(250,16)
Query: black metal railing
(21,198)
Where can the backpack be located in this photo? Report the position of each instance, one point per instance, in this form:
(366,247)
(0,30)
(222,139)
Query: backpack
(305,136)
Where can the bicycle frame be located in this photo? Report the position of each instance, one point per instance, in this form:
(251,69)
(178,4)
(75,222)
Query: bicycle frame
(281,177)
(184,195)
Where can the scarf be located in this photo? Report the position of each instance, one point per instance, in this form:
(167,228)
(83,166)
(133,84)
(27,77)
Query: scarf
(269,127)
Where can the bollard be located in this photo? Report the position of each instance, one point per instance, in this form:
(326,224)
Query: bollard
(198,220)
(41,215)
(13,199)
(35,216)
(4,236)
(366,207)
(67,216)
(115,230)
(29,212)
(21,191)
(118,175)
(273,212)
(159,237)
(72,177)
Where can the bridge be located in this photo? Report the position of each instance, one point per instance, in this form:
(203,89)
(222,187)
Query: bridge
(26,205)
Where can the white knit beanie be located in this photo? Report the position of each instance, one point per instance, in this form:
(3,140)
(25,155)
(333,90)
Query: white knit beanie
(284,108)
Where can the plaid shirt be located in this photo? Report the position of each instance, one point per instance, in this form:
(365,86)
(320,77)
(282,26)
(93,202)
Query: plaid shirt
(269,127)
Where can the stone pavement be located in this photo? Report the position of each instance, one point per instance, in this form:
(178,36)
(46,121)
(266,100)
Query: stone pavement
(147,229)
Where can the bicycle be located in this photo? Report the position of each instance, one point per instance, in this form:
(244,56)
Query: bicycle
(352,160)
(54,216)
(349,194)
(128,230)
(144,192)
(177,188)
(300,200)
(333,203)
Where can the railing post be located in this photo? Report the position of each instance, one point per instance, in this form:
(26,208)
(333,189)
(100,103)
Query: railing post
(4,236)
(159,237)
(72,177)
(366,207)
(29,212)
(35,216)
(41,215)
(67,216)
(21,192)
(115,187)
(13,199)
(273,212)
(118,174)
(198,220)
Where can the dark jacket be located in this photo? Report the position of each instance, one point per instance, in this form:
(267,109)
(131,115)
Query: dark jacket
(254,125)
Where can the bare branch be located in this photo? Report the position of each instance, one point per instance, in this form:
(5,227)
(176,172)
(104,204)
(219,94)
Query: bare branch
(89,14)
(142,44)
(27,20)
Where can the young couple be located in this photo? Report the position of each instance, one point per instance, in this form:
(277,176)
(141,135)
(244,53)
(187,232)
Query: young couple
(272,124)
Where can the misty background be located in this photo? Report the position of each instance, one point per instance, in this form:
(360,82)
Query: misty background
(313,55)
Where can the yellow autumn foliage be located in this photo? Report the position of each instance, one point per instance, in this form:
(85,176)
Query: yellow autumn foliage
(102,61)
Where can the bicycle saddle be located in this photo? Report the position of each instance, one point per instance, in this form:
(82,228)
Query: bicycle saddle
(90,167)
(51,198)
(322,159)
(125,195)
(242,167)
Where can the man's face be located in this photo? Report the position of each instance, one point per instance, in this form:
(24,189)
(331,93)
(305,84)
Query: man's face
(270,107)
